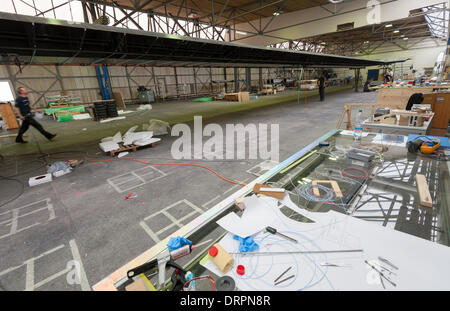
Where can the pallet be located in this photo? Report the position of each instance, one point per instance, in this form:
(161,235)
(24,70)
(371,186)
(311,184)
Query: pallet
(128,148)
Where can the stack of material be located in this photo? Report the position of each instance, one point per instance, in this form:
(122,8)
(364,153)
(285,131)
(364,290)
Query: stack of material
(100,110)
(105,109)
(111,109)
(239,97)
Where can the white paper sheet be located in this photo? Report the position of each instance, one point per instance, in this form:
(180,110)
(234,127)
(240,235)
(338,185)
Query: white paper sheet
(423,265)
(258,214)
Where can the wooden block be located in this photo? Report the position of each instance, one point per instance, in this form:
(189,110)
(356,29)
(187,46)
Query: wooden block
(424,192)
(9,116)
(142,284)
(222,260)
(404,121)
(333,183)
(119,100)
(276,195)
(239,202)
(244,97)
(420,121)
(232,97)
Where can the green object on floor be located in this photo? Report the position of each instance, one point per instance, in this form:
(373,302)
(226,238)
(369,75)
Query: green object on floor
(50,111)
(65,117)
(202,100)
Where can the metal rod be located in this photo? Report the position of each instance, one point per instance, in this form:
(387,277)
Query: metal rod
(282,274)
(286,279)
(298,252)
(381,273)
(387,262)
(286,237)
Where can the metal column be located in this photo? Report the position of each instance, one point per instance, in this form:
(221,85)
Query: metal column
(103,81)
(236,80)
(261,83)
(356,79)
(248,79)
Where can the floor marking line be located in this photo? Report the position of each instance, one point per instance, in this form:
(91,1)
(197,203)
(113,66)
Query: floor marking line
(84,282)
(150,233)
(173,219)
(14,221)
(10,269)
(29,276)
(165,229)
(136,177)
(195,207)
(51,278)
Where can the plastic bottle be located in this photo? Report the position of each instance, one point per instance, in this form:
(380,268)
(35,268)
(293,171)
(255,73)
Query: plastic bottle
(357,132)
(191,286)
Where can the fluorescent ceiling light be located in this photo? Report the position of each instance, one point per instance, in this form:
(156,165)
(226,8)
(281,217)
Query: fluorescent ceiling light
(405,38)
(396,31)
(241,32)
(276,13)
(192,14)
(366,41)
(388,25)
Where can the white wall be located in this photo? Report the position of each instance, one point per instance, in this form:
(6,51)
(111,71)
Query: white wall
(316,21)
(422,55)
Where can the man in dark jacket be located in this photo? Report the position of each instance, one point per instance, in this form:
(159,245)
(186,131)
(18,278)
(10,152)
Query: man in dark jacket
(23,110)
(321,83)
(367,85)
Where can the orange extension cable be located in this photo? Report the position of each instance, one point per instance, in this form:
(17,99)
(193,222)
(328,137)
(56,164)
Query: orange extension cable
(151,163)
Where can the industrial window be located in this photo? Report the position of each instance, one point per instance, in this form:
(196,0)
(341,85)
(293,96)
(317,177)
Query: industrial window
(346,26)
(6,93)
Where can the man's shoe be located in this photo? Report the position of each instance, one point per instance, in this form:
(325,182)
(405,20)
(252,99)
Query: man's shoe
(21,141)
(51,137)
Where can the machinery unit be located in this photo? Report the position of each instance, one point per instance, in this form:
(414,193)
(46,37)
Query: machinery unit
(145,95)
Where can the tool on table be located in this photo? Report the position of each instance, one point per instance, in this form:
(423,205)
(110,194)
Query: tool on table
(380,273)
(426,146)
(358,156)
(387,262)
(166,258)
(297,252)
(382,283)
(384,268)
(274,231)
(282,274)
(286,279)
(327,264)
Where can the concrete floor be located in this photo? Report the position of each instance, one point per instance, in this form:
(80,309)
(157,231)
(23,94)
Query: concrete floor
(84,216)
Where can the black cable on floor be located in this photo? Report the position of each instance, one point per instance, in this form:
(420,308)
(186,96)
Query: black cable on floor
(18,195)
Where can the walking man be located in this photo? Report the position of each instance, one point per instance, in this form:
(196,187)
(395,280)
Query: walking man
(23,110)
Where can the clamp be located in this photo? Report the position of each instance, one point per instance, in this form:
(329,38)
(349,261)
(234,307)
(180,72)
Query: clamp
(163,260)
